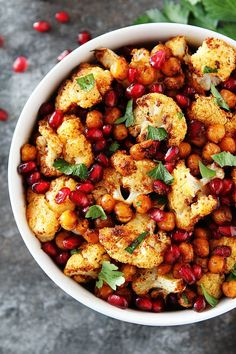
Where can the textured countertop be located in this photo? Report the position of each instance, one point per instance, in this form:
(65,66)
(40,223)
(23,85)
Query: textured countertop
(36,317)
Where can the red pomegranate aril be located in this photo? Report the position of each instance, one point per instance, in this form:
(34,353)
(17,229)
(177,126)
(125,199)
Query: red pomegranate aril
(96,173)
(2,41)
(110,98)
(181,235)
(62,16)
(229,231)
(42,26)
(152,150)
(93,134)
(62,195)
(86,187)
(172,254)
(41,187)
(62,258)
(107,129)
(187,274)
(157,214)
(71,242)
(225,200)
(33,178)
(216,186)
(3,115)
(172,154)
(197,271)
(159,155)
(45,109)
(135,91)
(26,167)
(63,54)
(199,304)
(132,75)
(224,251)
(160,187)
(118,301)
(20,65)
(84,37)
(196,129)
(189,91)
(157,88)
(158,59)
(158,305)
(99,145)
(183,101)
(79,198)
(102,159)
(230,84)
(143,303)
(227,186)
(170,166)
(49,248)
(56,119)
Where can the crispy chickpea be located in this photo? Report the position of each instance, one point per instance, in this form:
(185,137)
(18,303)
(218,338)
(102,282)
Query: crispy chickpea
(142,203)
(216,264)
(215,132)
(107,202)
(146,75)
(200,232)
(129,271)
(184,149)
(163,268)
(100,224)
(91,236)
(222,214)
(123,212)
(229,97)
(68,220)
(186,250)
(210,149)
(112,114)
(28,152)
(161,46)
(176,269)
(201,247)
(119,69)
(94,119)
(228,144)
(104,292)
(171,67)
(193,164)
(120,132)
(174,83)
(60,237)
(137,152)
(81,226)
(229,288)
(168,224)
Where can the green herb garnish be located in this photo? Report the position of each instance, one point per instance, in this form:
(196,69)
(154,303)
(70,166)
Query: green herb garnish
(75,251)
(96,211)
(219,99)
(86,83)
(79,169)
(161,173)
(136,242)
(156,133)
(114,147)
(180,115)
(184,297)
(110,275)
(208,70)
(224,158)
(210,299)
(206,172)
(128,117)
(232,275)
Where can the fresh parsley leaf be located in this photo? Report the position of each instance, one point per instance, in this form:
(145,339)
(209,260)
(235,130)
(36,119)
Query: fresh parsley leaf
(206,172)
(128,118)
(136,242)
(156,133)
(232,275)
(180,115)
(161,173)
(228,29)
(194,2)
(184,297)
(114,147)
(86,83)
(208,70)
(79,169)
(222,10)
(96,211)
(110,275)
(219,99)
(153,15)
(224,158)
(175,12)
(198,15)
(210,299)
(75,251)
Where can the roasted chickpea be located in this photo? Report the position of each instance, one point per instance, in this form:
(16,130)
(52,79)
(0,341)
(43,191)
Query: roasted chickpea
(119,69)
(129,271)
(146,75)
(81,226)
(216,264)
(163,47)
(142,203)
(112,114)
(193,164)
(68,220)
(186,250)
(104,292)
(215,132)
(120,132)
(208,150)
(163,268)
(228,144)
(200,232)
(94,119)
(184,149)
(107,202)
(201,247)
(229,97)
(123,212)
(229,288)
(60,237)
(171,67)
(100,224)
(91,236)
(221,215)
(168,224)
(28,152)
(174,83)
(137,152)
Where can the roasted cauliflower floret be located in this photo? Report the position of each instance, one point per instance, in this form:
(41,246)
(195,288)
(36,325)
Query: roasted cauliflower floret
(230,242)
(212,283)
(123,163)
(230,126)
(70,93)
(110,184)
(158,111)
(87,263)
(184,188)
(215,54)
(147,254)
(178,46)
(147,279)
(112,61)
(70,128)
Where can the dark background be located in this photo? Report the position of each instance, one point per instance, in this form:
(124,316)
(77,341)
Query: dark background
(36,316)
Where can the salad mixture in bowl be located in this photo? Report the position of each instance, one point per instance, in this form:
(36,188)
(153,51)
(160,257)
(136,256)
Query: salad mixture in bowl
(130,175)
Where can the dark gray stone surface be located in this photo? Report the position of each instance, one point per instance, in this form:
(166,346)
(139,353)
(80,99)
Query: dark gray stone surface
(35,316)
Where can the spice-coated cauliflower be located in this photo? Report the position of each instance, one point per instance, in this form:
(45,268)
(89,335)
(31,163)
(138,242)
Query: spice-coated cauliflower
(230,242)
(212,284)
(178,46)
(158,111)
(147,254)
(123,163)
(230,126)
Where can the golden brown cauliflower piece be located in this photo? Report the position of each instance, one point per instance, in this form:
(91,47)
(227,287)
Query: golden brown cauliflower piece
(212,283)
(230,126)
(230,242)
(184,188)
(159,110)
(178,46)
(147,279)
(123,163)
(112,61)
(70,93)
(110,184)
(148,253)
(216,54)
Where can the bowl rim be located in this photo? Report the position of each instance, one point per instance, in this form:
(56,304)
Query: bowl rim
(137,33)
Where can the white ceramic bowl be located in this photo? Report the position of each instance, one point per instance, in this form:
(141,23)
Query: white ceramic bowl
(124,36)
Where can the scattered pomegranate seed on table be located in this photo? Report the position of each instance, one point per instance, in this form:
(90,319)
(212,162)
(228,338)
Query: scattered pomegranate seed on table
(20,65)
(63,54)
(2,41)
(62,17)
(84,37)
(3,115)
(42,26)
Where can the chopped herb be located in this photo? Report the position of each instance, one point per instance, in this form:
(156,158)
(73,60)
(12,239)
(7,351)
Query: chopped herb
(110,275)
(210,299)
(224,159)
(75,251)
(86,83)
(136,242)
(208,70)
(114,146)
(156,133)
(206,172)
(96,211)
(180,115)
(232,275)
(219,99)
(79,170)
(128,118)
(184,297)
(161,173)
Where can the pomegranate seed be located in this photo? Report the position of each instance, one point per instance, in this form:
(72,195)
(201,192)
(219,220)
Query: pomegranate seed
(158,59)
(99,145)
(152,152)
(96,173)
(3,115)
(79,198)
(132,74)
(189,91)
(230,84)
(227,230)
(62,258)
(196,130)
(157,88)
(20,65)
(172,301)
(183,101)
(71,242)
(172,154)
(62,16)
(158,305)
(187,275)
(107,129)
(56,119)
(181,235)
(41,187)
(160,187)
(225,200)
(85,187)
(227,186)
(33,178)
(157,214)
(42,26)
(199,304)
(2,41)
(172,254)
(26,167)
(110,98)
(197,271)
(93,134)
(224,251)
(118,301)
(45,109)
(62,195)
(135,91)
(49,248)
(170,166)
(63,54)
(216,186)
(84,37)
(102,159)
(143,303)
